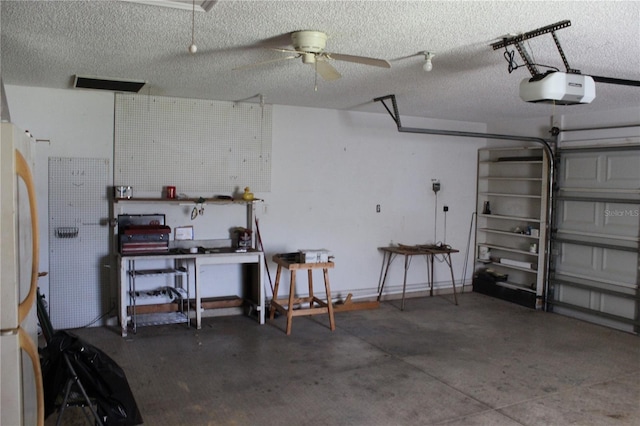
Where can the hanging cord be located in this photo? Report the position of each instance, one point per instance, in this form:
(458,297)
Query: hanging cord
(435,222)
(509,56)
(193,48)
(444,239)
(315,77)
(466,256)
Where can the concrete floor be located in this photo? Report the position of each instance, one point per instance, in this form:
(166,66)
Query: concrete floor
(484,362)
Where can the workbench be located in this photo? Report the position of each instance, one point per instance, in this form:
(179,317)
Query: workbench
(286,306)
(429,252)
(189,264)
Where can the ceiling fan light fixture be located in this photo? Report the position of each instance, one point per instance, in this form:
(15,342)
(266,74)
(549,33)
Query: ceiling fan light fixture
(428,65)
(308,58)
(309,41)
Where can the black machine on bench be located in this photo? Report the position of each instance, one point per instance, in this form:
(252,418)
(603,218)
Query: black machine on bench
(145,233)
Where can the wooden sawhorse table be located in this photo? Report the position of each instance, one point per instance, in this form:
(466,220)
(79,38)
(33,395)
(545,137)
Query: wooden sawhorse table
(390,253)
(279,304)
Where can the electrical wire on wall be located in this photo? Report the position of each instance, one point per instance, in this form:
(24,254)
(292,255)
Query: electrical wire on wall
(435,222)
(435,186)
(444,238)
(466,256)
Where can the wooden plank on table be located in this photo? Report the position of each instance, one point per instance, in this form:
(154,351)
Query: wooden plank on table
(222,302)
(155,308)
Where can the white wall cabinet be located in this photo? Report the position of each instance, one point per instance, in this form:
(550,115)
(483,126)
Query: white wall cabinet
(511,235)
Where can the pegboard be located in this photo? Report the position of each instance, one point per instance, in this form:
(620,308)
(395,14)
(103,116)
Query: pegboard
(204,148)
(78,240)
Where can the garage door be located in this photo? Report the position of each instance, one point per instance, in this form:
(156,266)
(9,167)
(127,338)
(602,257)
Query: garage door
(594,265)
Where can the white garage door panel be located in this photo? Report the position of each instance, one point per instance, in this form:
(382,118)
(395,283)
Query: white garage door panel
(606,266)
(600,170)
(622,219)
(577,215)
(623,171)
(595,274)
(575,296)
(617,306)
(580,170)
(619,266)
(576,259)
(607,220)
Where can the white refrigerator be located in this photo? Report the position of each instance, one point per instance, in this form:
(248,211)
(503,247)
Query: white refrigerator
(21,391)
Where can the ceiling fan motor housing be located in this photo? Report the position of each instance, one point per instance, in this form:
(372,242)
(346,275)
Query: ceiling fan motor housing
(309,41)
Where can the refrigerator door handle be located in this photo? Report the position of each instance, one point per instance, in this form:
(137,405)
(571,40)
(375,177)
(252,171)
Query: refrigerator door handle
(30,348)
(23,170)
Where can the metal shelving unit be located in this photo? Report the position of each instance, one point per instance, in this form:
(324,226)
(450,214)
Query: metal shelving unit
(165,313)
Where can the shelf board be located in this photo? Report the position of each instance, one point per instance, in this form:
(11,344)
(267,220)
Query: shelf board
(143,320)
(511,148)
(508,249)
(158,272)
(511,234)
(514,286)
(160,292)
(504,217)
(511,178)
(511,162)
(502,194)
(517,268)
(185,201)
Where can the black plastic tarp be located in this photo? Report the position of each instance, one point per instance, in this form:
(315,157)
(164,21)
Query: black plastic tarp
(103,379)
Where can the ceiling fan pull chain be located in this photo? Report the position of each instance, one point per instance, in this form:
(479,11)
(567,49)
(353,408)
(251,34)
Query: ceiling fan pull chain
(315,75)
(193,48)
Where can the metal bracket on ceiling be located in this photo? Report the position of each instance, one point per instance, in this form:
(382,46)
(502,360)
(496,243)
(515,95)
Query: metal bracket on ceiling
(395,115)
(517,41)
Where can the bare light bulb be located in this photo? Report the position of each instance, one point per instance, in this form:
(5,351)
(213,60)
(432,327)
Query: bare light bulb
(428,65)
(193,48)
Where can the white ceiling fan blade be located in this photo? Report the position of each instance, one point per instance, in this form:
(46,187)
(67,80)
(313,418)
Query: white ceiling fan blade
(257,64)
(383,63)
(326,70)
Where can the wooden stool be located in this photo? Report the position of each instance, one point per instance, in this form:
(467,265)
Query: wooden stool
(279,304)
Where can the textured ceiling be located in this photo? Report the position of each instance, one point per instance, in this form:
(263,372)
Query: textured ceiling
(45,43)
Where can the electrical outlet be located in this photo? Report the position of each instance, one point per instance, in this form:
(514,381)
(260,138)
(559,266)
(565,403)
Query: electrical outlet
(445,209)
(435,186)
(377,208)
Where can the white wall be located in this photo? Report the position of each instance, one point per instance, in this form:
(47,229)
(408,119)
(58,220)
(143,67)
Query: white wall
(331,168)
(65,123)
(329,171)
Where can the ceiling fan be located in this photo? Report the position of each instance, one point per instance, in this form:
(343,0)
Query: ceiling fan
(310,45)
